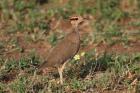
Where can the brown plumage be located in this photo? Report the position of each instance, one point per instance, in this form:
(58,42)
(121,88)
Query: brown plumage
(65,49)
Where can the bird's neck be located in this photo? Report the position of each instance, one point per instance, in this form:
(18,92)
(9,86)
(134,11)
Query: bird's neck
(74,36)
(76,29)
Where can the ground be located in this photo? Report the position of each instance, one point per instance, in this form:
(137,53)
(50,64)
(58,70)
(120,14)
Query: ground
(110,40)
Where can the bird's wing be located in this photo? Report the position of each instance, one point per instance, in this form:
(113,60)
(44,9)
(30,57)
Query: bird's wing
(62,52)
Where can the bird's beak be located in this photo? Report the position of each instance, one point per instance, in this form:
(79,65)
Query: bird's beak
(85,18)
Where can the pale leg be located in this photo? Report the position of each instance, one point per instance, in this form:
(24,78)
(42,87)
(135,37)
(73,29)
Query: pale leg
(60,71)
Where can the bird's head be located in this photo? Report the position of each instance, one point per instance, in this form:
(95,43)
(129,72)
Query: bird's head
(76,21)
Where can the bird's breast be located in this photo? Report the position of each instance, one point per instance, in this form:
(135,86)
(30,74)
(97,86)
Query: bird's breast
(64,50)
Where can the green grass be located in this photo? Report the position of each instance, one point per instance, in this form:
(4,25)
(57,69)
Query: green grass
(26,23)
(106,72)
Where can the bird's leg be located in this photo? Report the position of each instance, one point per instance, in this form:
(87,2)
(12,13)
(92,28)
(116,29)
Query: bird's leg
(61,75)
(60,71)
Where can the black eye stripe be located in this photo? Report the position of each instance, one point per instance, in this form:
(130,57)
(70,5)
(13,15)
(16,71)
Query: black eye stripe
(74,18)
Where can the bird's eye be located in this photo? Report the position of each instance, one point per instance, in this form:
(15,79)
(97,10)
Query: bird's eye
(76,18)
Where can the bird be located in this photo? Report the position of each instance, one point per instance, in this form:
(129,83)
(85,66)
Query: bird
(65,49)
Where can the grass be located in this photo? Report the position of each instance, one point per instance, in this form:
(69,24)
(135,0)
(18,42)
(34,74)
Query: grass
(27,31)
(109,73)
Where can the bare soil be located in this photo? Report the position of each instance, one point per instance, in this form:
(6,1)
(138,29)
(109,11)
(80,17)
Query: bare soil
(42,47)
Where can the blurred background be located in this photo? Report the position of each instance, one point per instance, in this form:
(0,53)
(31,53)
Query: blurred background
(110,42)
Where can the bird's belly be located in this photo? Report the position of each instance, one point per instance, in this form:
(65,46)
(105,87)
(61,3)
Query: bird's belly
(59,56)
